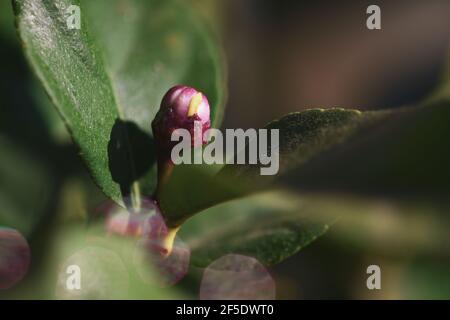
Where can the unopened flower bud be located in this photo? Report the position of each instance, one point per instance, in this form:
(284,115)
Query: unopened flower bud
(181,108)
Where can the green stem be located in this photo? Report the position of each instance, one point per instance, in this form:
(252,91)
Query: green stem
(136,196)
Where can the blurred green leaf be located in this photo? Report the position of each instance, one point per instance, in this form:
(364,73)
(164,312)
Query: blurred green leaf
(108,269)
(29,87)
(442,92)
(269,227)
(56,128)
(426,280)
(26,187)
(391,227)
(108,78)
(6,21)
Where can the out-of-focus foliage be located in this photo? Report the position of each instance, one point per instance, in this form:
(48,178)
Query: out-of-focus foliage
(22,209)
(107,264)
(269,227)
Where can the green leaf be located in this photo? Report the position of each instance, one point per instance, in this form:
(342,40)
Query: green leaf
(107,79)
(401,152)
(405,154)
(302,135)
(308,142)
(397,153)
(269,227)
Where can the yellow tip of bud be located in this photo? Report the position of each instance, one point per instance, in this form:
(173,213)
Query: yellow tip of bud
(168,241)
(195,104)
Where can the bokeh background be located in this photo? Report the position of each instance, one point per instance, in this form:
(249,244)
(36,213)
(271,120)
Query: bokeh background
(286,55)
(283,56)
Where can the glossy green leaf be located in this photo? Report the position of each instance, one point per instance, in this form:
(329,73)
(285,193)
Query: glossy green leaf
(107,78)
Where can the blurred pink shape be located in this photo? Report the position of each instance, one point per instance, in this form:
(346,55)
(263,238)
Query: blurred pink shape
(15,257)
(145,221)
(153,263)
(237,277)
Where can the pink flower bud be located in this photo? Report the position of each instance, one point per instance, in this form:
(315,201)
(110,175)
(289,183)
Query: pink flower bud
(181,108)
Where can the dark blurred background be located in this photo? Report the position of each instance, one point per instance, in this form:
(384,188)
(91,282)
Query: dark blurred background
(288,55)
